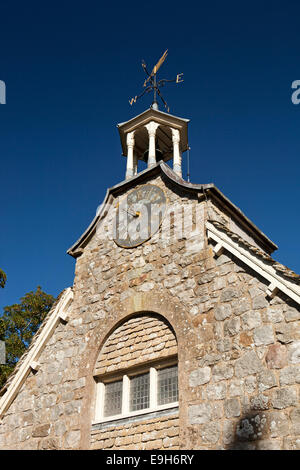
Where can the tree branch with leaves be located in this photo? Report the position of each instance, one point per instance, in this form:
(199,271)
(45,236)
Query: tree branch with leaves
(2,278)
(18,325)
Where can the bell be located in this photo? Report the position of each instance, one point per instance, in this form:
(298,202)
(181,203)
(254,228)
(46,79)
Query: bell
(158,152)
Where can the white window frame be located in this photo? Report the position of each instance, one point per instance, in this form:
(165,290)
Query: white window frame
(153,406)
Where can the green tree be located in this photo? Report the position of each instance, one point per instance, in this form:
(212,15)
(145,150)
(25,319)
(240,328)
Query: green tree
(18,325)
(2,278)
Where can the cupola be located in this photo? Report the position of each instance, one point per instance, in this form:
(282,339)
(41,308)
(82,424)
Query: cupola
(153,136)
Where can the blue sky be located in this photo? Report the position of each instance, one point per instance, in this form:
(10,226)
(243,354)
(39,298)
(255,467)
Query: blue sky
(70,68)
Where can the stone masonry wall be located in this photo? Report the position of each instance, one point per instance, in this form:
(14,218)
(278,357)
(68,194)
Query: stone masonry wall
(238,350)
(245,387)
(157,433)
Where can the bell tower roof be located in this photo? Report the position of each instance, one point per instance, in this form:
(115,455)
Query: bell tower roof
(164,143)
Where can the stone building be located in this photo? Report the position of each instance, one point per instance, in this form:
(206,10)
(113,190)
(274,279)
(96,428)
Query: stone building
(180,331)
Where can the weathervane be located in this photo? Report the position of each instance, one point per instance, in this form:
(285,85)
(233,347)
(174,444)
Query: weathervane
(152,84)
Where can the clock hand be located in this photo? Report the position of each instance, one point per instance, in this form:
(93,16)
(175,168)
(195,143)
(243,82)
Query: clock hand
(130,213)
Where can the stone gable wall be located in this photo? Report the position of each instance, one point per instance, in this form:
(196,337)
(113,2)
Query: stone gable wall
(238,350)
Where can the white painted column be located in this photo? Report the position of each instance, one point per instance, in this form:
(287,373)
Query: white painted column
(176,152)
(130,150)
(135,163)
(151,128)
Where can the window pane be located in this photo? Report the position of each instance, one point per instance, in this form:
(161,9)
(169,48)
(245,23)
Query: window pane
(167,385)
(113,398)
(139,392)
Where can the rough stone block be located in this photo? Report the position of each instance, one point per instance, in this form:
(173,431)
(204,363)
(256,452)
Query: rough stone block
(219,283)
(199,414)
(222,312)
(224,345)
(291,443)
(294,353)
(50,444)
(228,432)
(251,320)
(265,380)
(259,302)
(241,305)
(72,439)
(41,430)
(278,424)
(232,408)
(286,332)
(232,326)
(222,259)
(259,402)
(60,428)
(292,314)
(210,433)
(222,372)
(273,314)
(216,391)
(269,444)
(276,357)
(235,388)
(200,376)
(290,375)
(263,335)
(255,291)
(248,364)
(229,294)
(206,277)
(284,397)
(295,421)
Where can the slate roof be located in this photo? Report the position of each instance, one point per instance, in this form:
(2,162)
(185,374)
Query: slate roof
(280,268)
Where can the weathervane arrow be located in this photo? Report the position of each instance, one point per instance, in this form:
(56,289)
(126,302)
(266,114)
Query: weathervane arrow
(157,66)
(151,83)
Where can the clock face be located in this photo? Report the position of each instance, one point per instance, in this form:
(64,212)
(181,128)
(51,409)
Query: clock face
(139,215)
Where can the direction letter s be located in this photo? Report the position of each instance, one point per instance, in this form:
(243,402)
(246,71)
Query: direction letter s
(295,96)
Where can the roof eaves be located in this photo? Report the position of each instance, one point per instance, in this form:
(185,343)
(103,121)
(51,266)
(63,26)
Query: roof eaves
(47,327)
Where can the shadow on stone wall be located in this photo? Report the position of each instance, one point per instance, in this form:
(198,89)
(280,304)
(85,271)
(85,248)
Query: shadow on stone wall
(251,433)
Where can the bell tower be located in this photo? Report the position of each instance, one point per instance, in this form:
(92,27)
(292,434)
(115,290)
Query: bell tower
(153,136)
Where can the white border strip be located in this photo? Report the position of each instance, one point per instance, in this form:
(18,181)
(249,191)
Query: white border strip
(31,360)
(268,272)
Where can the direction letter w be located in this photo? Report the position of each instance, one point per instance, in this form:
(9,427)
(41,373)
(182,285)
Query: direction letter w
(133,100)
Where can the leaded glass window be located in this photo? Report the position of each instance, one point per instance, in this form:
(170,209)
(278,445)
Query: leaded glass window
(167,385)
(139,392)
(113,398)
(156,389)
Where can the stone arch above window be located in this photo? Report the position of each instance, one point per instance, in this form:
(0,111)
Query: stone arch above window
(136,372)
(143,338)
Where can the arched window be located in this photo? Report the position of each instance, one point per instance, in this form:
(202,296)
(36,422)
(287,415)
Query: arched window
(136,372)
